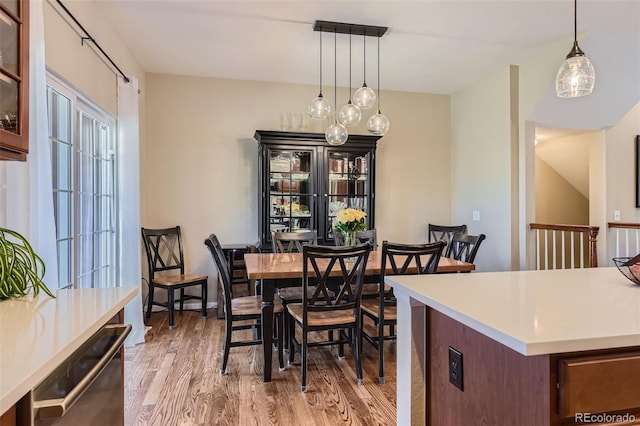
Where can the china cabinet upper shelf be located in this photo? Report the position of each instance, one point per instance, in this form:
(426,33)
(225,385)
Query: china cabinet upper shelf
(14,79)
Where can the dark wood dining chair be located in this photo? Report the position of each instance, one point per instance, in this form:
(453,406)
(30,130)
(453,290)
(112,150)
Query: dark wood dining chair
(164,253)
(324,310)
(291,292)
(403,259)
(464,247)
(241,309)
(444,233)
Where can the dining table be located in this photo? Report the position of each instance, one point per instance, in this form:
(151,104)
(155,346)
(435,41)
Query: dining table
(276,270)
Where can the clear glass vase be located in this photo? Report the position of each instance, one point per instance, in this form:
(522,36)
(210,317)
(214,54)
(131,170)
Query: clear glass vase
(349,238)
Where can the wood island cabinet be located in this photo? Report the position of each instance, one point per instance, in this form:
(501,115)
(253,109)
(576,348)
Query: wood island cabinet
(304,182)
(14,79)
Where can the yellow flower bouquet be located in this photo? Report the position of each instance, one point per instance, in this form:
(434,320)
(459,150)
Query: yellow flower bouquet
(347,222)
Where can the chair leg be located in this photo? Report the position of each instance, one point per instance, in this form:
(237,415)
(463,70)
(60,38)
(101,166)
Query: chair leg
(292,334)
(150,303)
(181,299)
(285,314)
(280,326)
(170,303)
(303,388)
(380,353)
(204,299)
(357,354)
(228,327)
(340,345)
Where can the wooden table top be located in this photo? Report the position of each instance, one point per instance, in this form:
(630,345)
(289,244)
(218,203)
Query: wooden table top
(289,265)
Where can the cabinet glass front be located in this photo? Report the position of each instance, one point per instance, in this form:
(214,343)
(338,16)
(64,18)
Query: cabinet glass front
(9,39)
(349,184)
(290,191)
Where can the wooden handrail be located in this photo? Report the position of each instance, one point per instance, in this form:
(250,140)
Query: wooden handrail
(623,225)
(592,231)
(571,228)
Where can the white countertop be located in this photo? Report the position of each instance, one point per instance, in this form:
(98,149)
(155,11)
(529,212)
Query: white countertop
(37,334)
(536,312)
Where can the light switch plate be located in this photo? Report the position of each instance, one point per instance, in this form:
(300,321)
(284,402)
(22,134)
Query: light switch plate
(616,216)
(476,215)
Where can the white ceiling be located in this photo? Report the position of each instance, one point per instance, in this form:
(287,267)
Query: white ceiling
(431,46)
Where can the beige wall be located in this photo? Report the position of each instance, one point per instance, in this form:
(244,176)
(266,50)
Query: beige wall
(200,163)
(82,65)
(620,177)
(557,201)
(481,165)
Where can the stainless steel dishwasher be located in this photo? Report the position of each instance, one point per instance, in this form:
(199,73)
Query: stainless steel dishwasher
(87,388)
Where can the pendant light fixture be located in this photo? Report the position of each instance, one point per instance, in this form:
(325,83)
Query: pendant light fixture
(320,108)
(576,77)
(364,97)
(378,124)
(350,114)
(336,134)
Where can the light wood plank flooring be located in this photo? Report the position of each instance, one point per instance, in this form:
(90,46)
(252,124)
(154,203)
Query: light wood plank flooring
(174,379)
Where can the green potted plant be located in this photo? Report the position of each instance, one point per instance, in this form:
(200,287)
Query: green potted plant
(21,269)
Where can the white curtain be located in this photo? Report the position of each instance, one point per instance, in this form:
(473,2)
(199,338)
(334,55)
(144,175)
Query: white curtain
(129,202)
(27,196)
(42,227)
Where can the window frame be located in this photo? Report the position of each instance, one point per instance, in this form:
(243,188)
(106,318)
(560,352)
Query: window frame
(83,108)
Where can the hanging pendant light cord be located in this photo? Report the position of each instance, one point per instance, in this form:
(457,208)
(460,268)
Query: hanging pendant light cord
(349,67)
(364,60)
(575,21)
(320,62)
(378,75)
(335,76)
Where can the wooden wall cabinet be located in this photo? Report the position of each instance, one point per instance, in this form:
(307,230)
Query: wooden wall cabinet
(304,182)
(14,79)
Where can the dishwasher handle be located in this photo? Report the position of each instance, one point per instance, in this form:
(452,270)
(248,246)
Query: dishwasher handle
(55,408)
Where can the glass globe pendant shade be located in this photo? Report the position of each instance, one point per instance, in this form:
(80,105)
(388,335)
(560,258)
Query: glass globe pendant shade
(350,115)
(336,134)
(576,77)
(320,108)
(378,124)
(364,97)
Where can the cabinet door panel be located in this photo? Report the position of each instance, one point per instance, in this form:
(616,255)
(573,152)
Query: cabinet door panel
(14,79)
(291,177)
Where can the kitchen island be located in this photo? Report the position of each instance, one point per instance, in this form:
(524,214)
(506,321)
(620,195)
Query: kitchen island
(537,347)
(38,333)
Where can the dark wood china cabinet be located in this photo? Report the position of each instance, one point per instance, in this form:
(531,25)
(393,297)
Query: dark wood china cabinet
(14,79)
(304,182)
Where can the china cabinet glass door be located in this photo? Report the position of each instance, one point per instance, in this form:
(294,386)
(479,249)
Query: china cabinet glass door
(291,190)
(349,184)
(14,69)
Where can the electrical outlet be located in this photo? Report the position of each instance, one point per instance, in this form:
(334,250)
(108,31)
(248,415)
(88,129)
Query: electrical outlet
(455,368)
(616,216)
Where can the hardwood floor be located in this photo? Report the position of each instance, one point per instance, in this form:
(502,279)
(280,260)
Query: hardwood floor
(174,379)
